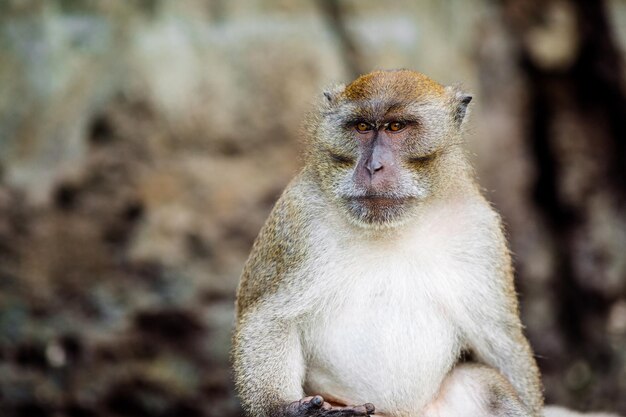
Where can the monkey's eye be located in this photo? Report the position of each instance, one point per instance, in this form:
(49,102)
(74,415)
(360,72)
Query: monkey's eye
(395,126)
(363,127)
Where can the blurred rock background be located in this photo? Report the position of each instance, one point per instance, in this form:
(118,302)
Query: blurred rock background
(143,143)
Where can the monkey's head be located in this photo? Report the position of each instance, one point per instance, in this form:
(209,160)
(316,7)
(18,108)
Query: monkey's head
(383,145)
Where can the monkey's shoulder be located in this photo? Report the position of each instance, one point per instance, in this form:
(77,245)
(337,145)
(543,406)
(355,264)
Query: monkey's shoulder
(281,246)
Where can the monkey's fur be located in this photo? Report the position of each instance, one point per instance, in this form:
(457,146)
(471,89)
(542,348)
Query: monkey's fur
(381,268)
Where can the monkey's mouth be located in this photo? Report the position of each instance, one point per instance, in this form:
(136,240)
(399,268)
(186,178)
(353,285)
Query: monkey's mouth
(376,201)
(376,208)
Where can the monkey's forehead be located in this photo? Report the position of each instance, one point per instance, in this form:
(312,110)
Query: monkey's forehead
(404,84)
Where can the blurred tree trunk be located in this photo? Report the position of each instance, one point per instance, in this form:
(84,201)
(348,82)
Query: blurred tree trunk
(568,86)
(334,13)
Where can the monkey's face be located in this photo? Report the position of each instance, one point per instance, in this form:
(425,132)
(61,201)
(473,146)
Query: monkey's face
(385,144)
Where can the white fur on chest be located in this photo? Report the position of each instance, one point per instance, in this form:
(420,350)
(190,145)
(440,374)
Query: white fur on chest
(385,332)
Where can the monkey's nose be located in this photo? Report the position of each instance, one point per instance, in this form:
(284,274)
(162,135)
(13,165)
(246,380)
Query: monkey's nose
(373,166)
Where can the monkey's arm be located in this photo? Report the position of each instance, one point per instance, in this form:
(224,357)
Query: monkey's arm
(268,362)
(499,342)
(491,320)
(267,356)
(269,371)
(504,347)
(272,300)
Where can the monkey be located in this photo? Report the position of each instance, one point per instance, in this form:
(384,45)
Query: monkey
(381,283)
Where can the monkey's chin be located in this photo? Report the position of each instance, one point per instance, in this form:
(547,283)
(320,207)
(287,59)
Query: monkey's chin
(378,212)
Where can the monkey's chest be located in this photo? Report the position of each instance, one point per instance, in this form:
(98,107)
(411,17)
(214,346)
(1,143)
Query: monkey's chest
(387,344)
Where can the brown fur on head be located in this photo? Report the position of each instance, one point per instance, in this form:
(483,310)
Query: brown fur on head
(377,174)
(409,84)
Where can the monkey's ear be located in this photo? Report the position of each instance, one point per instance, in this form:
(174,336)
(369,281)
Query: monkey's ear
(462,101)
(332,93)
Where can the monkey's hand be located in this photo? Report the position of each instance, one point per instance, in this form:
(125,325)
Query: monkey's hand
(317,407)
